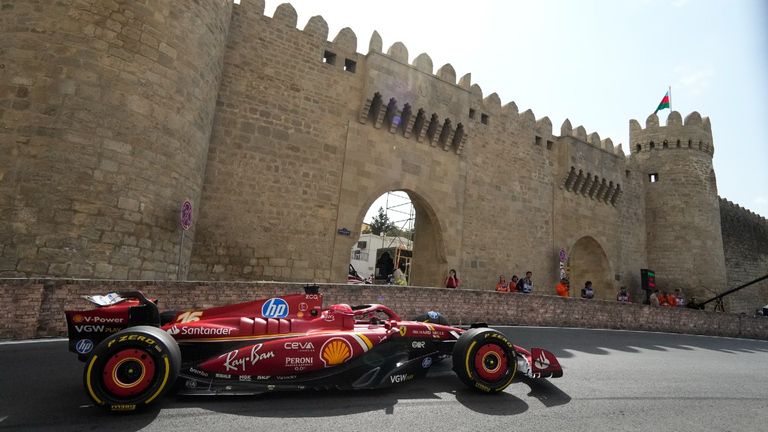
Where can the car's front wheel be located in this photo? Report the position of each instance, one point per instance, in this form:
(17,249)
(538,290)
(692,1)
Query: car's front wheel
(485,360)
(132,368)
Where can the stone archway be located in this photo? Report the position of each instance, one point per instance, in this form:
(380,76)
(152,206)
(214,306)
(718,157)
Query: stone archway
(428,262)
(588,262)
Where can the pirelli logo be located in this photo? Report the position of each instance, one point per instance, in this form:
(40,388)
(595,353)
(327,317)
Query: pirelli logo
(133,337)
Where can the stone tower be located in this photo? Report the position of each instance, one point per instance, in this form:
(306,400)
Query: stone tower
(106,110)
(684,239)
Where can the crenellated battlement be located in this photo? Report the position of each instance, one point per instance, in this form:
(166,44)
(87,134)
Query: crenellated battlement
(693,133)
(285,14)
(481,110)
(743,214)
(593,138)
(476,108)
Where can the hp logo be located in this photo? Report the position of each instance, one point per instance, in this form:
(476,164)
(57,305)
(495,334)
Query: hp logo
(84,346)
(275,308)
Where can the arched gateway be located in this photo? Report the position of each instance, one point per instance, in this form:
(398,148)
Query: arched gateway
(588,262)
(429,250)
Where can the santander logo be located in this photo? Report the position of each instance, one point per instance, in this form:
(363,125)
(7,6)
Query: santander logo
(200,331)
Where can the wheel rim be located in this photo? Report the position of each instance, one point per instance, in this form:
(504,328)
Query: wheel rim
(491,362)
(128,372)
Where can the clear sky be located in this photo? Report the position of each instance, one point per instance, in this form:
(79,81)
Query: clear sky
(598,63)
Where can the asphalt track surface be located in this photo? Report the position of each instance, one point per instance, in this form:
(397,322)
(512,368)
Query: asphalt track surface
(614,381)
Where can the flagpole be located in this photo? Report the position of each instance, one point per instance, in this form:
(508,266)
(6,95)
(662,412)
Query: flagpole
(670,98)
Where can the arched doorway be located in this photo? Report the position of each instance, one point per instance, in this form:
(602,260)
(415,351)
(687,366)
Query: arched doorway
(415,243)
(588,262)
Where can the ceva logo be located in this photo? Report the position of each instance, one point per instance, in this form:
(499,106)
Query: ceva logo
(275,308)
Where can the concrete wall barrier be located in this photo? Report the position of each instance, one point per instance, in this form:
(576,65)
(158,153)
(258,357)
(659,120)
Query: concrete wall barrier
(33,308)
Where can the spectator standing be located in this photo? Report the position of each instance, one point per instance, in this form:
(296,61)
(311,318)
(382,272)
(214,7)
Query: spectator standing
(513,283)
(502,286)
(587,292)
(679,297)
(400,276)
(654,299)
(623,295)
(525,285)
(563,288)
(452,281)
(667,300)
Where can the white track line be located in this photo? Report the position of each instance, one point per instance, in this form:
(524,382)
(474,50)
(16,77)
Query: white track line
(627,331)
(31,341)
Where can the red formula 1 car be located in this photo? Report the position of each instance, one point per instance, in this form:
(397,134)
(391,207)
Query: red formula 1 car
(133,354)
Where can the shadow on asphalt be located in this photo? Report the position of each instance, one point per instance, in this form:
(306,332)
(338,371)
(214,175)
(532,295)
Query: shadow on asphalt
(42,390)
(435,389)
(546,392)
(563,342)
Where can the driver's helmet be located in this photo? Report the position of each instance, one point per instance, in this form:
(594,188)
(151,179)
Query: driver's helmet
(340,308)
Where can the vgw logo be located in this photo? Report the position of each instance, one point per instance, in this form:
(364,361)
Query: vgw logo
(274,308)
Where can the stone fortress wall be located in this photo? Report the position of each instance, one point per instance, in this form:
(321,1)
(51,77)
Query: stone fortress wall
(745,241)
(281,138)
(106,111)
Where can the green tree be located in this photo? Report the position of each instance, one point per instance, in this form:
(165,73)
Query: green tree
(402,232)
(381,225)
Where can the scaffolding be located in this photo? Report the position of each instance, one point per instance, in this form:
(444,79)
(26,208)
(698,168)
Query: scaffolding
(404,225)
(401,252)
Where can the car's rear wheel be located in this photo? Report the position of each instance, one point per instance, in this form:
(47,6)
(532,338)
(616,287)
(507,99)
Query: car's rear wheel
(132,368)
(485,360)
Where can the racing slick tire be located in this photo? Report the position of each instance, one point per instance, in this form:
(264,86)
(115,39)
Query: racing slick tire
(485,360)
(132,368)
(432,317)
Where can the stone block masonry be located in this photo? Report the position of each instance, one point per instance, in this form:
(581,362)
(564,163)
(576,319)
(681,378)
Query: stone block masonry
(114,112)
(745,241)
(35,308)
(106,110)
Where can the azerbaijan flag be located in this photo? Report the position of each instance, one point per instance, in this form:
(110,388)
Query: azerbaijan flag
(664,103)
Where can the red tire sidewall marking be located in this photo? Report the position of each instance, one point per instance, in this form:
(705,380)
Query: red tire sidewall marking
(491,351)
(112,382)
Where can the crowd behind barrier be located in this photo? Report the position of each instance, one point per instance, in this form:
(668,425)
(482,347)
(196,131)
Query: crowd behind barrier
(34,308)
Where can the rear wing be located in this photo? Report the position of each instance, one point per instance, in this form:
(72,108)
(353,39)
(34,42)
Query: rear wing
(86,328)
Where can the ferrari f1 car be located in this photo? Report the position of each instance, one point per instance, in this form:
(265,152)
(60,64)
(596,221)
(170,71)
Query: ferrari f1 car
(133,354)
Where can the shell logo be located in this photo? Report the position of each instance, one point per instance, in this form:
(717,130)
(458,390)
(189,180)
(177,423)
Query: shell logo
(77,318)
(335,351)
